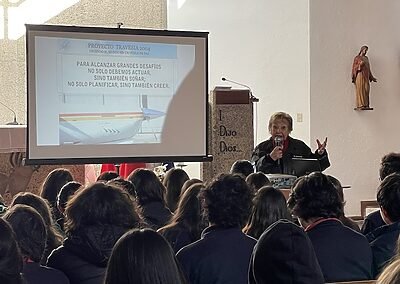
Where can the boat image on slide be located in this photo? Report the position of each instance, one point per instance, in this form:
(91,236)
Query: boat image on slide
(99,128)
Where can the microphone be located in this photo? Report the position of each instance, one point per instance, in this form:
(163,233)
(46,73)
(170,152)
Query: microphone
(252,98)
(15,115)
(278,141)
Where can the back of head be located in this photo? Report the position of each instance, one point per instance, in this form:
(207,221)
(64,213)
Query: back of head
(107,176)
(388,196)
(30,231)
(269,206)
(391,273)
(390,163)
(41,205)
(173,182)
(148,187)
(100,204)
(257,180)
(53,183)
(126,185)
(143,257)
(336,183)
(188,213)
(189,183)
(314,196)
(10,256)
(65,193)
(36,202)
(227,201)
(284,254)
(242,167)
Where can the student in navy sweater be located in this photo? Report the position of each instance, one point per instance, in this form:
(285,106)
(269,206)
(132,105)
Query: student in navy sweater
(343,254)
(383,240)
(222,255)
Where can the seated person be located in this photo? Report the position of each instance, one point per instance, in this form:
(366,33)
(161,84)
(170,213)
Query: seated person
(30,231)
(173,181)
(187,223)
(96,217)
(150,196)
(66,192)
(273,156)
(269,206)
(284,254)
(10,256)
(107,176)
(346,221)
(242,167)
(383,239)
(222,255)
(143,256)
(390,164)
(257,180)
(54,237)
(342,253)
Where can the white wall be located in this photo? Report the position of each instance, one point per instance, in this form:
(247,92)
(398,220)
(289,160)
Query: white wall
(264,45)
(297,57)
(357,140)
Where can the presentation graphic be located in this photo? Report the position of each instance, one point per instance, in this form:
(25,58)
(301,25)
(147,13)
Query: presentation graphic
(106,92)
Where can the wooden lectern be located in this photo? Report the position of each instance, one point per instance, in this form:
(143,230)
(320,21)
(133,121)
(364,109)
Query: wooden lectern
(231,130)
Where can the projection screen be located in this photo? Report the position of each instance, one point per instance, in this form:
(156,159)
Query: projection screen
(114,94)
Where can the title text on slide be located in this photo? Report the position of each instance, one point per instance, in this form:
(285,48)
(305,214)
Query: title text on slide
(90,73)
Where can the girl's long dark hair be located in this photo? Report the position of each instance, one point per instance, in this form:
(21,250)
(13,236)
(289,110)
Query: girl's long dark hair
(269,206)
(143,257)
(189,213)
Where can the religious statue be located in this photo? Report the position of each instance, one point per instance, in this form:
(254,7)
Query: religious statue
(361,75)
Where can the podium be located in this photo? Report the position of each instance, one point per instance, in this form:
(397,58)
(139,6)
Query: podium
(231,131)
(14,176)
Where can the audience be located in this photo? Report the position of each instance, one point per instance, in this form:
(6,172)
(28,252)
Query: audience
(54,238)
(346,221)
(96,217)
(150,194)
(342,253)
(257,180)
(269,206)
(383,240)
(104,242)
(51,186)
(63,196)
(223,253)
(173,182)
(390,163)
(284,254)
(10,256)
(143,257)
(242,167)
(30,231)
(186,224)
